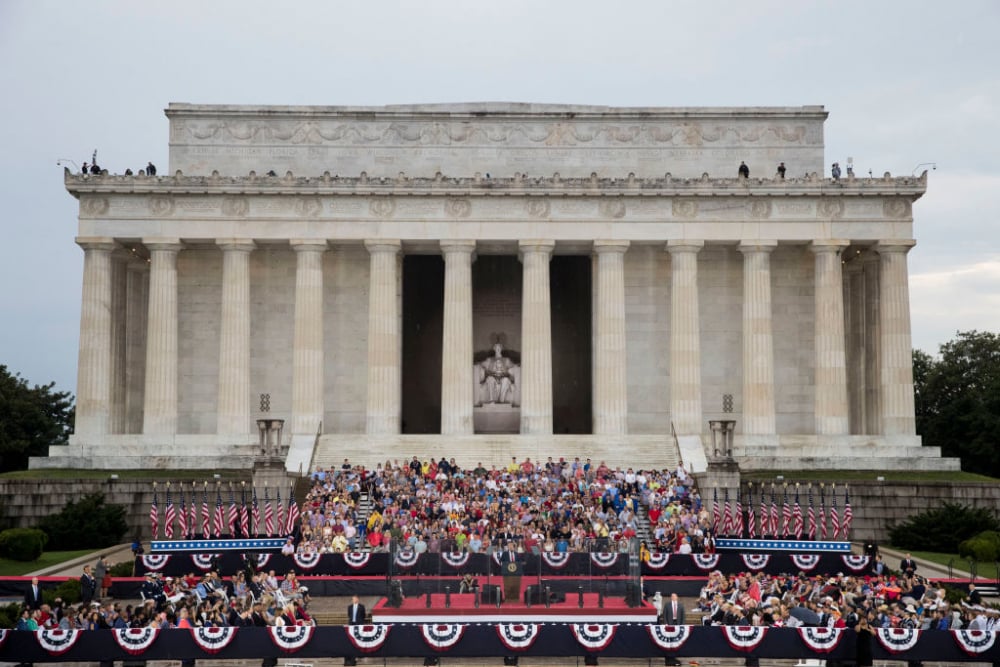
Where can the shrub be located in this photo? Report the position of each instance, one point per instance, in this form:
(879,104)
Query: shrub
(126,568)
(9,614)
(68,591)
(85,524)
(984,547)
(22,544)
(941,529)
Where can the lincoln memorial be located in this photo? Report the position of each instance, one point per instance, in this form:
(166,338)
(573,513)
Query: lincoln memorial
(482,281)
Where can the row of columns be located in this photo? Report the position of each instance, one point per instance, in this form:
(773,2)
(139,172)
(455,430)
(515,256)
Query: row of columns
(102,365)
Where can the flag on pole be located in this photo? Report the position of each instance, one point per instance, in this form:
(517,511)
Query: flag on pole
(244,514)
(293,513)
(786,515)
(822,513)
(811,515)
(797,515)
(206,515)
(183,518)
(834,517)
(774,514)
(234,513)
(738,518)
(751,518)
(279,519)
(268,515)
(765,519)
(168,516)
(193,521)
(727,515)
(716,513)
(256,514)
(220,518)
(154,515)
(845,528)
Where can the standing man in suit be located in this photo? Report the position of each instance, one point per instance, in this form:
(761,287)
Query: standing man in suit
(33,596)
(673,611)
(355,612)
(88,585)
(908,566)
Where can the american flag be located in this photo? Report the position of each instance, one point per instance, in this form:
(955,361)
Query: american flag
(774,514)
(822,513)
(206,515)
(786,515)
(293,513)
(797,515)
(193,523)
(256,513)
(834,517)
(811,515)
(183,518)
(234,513)
(716,512)
(751,519)
(268,515)
(727,515)
(279,512)
(738,516)
(765,519)
(154,516)
(220,518)
(845,529)
(244,515)
(168,517)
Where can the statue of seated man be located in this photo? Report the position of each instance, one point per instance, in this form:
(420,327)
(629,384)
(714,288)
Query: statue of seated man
(498,379)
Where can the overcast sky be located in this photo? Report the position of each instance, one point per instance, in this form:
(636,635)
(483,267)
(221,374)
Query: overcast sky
(905,83)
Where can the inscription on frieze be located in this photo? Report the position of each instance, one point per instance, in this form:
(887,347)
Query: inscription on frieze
(308,207)
(760,208)
(896,208)
(94,206)
(457,208)
(235,207)
(612,208)
(684,208)
(161,206)
(830,208)
(537,208)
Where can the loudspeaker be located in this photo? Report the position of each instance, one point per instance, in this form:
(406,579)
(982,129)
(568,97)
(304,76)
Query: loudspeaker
(510,660)
(350,661)
(590,659)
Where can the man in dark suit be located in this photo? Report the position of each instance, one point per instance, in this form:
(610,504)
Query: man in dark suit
(908,566)
(88,585)
(355,612)
(673,611)
(33,596)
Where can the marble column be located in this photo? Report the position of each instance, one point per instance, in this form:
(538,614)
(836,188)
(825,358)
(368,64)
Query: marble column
(854,346)
(456,353)
(384,360)
(307,343)
(758,340)
(120,259)
(137,315)
(685,338)
(610,381)
(93,385)
(898,410)
(830,401)
(536,338)
(160,396)
(873,356)
(233,405)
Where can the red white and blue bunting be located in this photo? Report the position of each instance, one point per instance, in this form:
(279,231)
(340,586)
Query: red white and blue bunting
(744,637)
(406,558)
(57,642)
(213,640)
(3,636)
(135,640)
(604,560)
(855,562)
(897,640)
(518,636)
(756,562)
(706,561)
(290,638)
(555,559)
(203,561)
(821,640)
(307,561)
(669,637)
(975,642)
(262,560)
(155,562)
(368,638)
(805,562)
(658,561)
(594,636)
(442,636)
(357,559)
(455,559)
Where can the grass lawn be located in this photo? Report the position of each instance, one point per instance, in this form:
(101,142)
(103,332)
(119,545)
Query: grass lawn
(155,475)
(839,476)
(15,568)
(983,570)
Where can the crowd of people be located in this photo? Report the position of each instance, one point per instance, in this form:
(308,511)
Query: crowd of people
(556,506)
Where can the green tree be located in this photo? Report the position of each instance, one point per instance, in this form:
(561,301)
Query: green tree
(31,419)
(958,400)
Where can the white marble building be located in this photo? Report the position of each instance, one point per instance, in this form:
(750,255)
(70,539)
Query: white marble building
(356,285)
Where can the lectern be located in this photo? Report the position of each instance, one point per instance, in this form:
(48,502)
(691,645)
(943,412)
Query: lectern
(512,573)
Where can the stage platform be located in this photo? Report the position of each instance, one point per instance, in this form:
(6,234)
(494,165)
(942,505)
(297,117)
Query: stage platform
(463,610)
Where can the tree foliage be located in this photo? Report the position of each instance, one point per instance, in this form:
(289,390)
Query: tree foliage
(85,524)
(31,419)
(942,528)
(958,400)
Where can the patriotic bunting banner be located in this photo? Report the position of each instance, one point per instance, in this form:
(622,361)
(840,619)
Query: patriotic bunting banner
(897,640)
(368,638)
(744,638)
(442,636)
(669,637)
(57,642)
(213,640)
(135,640)
(518,636)
(594,636)
(291,638)
(821,640)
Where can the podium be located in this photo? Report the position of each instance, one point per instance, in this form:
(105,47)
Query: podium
(512,573)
